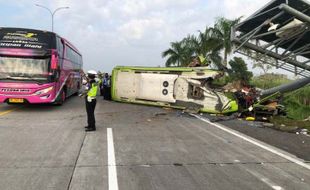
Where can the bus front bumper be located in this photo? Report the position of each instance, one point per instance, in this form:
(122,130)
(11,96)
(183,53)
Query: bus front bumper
(32,99)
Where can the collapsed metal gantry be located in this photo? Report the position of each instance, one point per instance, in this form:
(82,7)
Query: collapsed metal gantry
(280,30)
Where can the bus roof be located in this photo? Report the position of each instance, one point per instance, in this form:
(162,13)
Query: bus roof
(28,29)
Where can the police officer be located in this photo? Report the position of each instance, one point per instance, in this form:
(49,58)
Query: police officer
(90,100)
(100,78)
(106,86)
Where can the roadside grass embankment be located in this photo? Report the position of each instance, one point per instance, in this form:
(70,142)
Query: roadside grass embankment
(297,103)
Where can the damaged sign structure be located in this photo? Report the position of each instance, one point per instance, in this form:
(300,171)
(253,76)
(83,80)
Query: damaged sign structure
(279,30)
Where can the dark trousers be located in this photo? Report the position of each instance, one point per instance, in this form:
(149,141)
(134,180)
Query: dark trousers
(107,93)
(90,109)
(101,91)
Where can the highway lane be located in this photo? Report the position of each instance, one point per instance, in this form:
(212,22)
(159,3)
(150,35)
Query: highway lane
(5,108)
(157,151)
(45,147)
(39,145)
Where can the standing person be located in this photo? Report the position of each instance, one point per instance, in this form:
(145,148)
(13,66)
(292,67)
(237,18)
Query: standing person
(106,84)
(90,100)
(109,88)
(100,77)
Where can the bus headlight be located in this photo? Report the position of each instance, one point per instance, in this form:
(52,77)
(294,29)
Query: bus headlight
(44,91)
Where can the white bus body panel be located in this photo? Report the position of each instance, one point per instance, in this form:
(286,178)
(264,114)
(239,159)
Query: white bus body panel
(146,86)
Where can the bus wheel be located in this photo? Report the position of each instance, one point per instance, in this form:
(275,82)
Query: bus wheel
(61,98)
(78,88)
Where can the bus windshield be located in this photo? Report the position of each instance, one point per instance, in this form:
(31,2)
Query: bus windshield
(17,68)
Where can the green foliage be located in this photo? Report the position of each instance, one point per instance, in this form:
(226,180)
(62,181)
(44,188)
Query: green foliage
(221,33)
(239,70)
(209,43)
(182,53)
(298,103)
(179,54)
(222,81)
(269,80)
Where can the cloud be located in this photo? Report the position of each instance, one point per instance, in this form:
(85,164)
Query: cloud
(237,8)
(138,29)
(125,32)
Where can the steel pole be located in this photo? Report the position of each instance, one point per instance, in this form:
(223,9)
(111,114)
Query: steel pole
(296,13)
(58,9)
(52,13)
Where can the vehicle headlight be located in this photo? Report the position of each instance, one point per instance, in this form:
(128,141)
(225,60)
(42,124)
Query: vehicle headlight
(44,91)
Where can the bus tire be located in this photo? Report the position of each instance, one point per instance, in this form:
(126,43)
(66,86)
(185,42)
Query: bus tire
(61,98)
(78,88)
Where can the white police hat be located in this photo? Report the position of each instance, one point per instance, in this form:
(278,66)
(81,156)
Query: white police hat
(92,72)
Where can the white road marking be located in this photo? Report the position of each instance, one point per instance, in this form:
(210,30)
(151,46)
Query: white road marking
(277,188)
(247,138)
(113,184)
(268,182)
(265,180)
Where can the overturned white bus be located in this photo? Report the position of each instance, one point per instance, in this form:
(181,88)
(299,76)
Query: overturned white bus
(176,87)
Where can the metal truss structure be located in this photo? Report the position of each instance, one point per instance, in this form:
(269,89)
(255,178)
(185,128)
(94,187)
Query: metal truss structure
(280,30)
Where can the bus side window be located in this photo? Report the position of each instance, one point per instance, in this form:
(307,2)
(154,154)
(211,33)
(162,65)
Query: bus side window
(60,50)
(60,47)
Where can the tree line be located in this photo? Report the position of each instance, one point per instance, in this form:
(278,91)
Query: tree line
(210,43)
(215,45)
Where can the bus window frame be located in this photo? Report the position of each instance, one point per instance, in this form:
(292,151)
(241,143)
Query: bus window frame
(73,56)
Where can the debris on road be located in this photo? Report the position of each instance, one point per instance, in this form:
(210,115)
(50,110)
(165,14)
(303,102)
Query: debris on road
(304,131)
(160,114)
(250,118)
(270,125)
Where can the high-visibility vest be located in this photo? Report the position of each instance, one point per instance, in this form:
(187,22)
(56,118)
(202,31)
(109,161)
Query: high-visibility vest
(92,92)
(100,82)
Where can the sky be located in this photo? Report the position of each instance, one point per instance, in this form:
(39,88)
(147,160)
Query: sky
(123,32)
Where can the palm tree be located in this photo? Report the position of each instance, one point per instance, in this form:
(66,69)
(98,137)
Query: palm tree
(179,54)
(221,33)
(209,47)
(174,53)
(209,43)
(204,45)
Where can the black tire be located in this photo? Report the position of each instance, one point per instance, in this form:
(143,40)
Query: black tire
(61,98)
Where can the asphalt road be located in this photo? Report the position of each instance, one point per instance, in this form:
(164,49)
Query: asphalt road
(45,147)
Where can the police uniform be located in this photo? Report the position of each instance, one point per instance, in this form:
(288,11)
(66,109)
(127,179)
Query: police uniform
(106,87)
(90,101)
